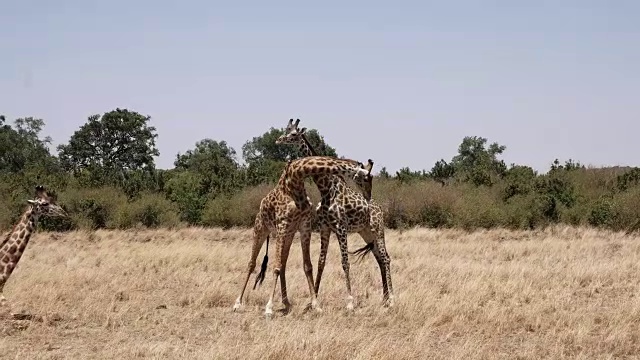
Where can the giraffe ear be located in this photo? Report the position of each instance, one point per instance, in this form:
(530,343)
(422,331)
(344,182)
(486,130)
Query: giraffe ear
(303,130)
(369,166)
(32,202)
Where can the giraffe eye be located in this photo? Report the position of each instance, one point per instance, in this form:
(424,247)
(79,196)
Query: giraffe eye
(45,204)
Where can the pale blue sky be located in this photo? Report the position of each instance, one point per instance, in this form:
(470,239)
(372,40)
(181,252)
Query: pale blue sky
(400,82)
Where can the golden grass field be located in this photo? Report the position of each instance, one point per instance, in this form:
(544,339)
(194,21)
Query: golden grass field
(556,293)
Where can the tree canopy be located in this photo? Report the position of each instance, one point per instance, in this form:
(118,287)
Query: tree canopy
(117,141)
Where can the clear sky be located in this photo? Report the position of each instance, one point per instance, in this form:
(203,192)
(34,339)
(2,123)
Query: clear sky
(401,82)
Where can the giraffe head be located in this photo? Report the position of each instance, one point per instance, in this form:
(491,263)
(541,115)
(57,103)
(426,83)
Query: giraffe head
(365,183)
(45,205)
(292,134)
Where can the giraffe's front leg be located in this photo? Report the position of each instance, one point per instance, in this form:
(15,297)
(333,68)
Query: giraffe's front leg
(344,254)
(283,270)
(277,265)
(305,242)
(325,234)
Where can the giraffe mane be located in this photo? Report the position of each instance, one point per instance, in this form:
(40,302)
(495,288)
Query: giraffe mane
(308,144)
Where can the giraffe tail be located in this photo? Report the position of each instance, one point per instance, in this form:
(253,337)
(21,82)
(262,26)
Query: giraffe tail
(363,251)
(263,267)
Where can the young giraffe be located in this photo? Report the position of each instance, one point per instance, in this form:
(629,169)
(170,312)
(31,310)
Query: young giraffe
(286,210)
(343,210)
(14,245)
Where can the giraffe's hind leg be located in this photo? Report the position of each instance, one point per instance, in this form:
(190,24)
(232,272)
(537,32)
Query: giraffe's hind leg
(376,245)
(284,238)
(260,234)
(385,260)
(283,273)
(305,242)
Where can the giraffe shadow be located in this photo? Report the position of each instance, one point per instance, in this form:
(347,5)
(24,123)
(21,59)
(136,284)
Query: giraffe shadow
(11,323)
(20,316)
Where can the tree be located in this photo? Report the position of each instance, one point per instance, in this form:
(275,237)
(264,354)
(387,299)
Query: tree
(108,146)
(405,175)
(21,147)
(520,180)
(442,171)
(215,162)
(478,164)
(569,165)
(384,174)
(185,190)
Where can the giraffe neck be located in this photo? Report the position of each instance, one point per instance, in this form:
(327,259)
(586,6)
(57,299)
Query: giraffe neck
(323,182)
(306,147)
(15,244)
(298,170)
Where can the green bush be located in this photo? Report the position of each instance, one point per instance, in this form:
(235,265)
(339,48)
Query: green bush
(150,210)
(605,198)
(603,213)
(93,208)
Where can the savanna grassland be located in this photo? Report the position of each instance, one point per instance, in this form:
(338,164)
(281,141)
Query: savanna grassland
(560,292)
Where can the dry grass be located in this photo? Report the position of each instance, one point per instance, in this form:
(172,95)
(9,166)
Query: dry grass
(558,293)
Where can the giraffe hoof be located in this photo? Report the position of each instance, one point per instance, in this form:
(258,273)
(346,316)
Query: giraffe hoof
(390,302)
(238,304)
(268,310)
(350,303)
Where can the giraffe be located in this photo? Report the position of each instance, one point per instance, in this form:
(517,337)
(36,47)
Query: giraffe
(287,210)
(14,245)
(343,210)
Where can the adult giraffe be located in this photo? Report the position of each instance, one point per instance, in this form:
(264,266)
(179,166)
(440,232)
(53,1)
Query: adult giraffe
(287,210)
(342,210)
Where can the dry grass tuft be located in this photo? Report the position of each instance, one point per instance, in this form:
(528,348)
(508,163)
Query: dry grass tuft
(554,293)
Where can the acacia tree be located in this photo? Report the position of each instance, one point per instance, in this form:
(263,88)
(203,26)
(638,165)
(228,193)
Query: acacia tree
(111,145)
(478,164)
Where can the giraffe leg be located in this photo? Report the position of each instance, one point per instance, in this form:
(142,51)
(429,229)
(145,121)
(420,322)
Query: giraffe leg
(385,260)
(344,254)
(372,246)
(3,279)
(260,234)
(325,234)
(281,232)
(305,242)
(283,271)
